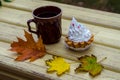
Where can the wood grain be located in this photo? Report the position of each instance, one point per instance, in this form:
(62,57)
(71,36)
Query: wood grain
(98,50)
(104,25)
(102,35)
(38,67)
(96,17)
(9,76)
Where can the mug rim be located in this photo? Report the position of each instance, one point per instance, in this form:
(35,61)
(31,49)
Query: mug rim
(47,17)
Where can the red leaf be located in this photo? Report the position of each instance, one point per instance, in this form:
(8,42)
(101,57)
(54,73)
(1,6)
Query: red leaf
(28,49)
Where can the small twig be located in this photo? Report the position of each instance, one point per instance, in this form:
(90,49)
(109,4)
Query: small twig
(102,60)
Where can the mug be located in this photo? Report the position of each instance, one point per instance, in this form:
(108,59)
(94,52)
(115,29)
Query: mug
(48,23)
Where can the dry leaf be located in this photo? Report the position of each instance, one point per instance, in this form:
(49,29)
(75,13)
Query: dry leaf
(89,63)
(57,64)
(28,49)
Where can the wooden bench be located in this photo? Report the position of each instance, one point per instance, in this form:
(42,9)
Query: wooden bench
(104,25)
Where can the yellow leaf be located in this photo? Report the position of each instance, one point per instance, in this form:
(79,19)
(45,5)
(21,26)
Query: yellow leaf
(57,64)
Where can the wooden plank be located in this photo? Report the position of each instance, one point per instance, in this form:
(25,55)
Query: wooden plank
(35,69)
(105,19)
(9,32)
(8,60)
(8,76)
(14,16)
(38,68)
(105,36)
(102,35)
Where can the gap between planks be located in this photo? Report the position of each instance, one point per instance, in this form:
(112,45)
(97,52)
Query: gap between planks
(39,70)
(95,49)
(9,76)
(8,61)
(101,34)
(110,20)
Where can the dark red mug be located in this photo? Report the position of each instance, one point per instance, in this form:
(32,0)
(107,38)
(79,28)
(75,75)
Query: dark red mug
(48,23)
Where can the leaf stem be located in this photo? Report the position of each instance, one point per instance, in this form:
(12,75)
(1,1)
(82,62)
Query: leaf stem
(102,60)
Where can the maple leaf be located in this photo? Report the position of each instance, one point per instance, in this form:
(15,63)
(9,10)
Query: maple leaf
(28,49)
(57,64)
(89,63)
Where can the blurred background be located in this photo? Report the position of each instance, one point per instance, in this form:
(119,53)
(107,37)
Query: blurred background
(105,5)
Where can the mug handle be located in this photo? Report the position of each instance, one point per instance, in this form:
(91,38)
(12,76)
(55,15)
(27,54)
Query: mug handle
(29,27)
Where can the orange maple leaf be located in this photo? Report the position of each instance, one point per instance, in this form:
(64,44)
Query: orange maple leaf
(28,49)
